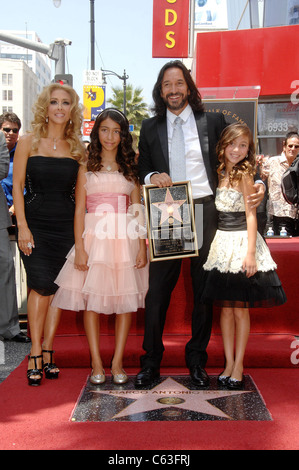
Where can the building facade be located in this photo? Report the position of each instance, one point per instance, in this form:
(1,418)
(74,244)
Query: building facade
(39,63)
(258,49)
(23,75)
(18,90)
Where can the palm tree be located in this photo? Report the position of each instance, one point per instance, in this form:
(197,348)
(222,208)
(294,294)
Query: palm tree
(136,108)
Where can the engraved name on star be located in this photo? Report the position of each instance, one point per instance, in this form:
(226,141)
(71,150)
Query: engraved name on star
(171,393)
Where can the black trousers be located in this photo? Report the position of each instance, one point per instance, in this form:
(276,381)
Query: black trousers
(163,276)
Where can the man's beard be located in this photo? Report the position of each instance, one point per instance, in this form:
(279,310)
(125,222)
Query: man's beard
(179,105)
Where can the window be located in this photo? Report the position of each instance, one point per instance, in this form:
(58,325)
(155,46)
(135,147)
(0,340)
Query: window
(7,109)
(7,79)
(7,95)
(275,120)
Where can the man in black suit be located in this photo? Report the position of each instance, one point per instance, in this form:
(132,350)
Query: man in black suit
(175,93)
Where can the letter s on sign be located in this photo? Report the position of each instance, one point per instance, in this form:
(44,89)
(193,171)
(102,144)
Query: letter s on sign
(171,39)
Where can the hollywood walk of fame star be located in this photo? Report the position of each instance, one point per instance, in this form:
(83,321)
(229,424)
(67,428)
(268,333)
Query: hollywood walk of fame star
(171,393)
(170,208)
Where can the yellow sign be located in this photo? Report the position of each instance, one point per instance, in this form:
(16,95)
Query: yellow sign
(93,101)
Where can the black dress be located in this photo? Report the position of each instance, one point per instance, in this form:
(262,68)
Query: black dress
(49,210)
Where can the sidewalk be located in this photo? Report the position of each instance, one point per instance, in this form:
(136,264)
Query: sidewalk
(11,355)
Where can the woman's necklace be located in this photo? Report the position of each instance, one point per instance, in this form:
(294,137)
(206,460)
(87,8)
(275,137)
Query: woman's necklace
(55,142)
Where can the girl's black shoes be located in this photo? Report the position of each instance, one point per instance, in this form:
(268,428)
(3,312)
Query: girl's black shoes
(234,384)
(230,383)
(222,380)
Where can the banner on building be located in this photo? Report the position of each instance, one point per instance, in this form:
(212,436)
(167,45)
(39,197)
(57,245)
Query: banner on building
(170,28)
(211,14)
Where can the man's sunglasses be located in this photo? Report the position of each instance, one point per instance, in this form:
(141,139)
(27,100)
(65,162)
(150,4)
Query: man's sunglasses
(8,129)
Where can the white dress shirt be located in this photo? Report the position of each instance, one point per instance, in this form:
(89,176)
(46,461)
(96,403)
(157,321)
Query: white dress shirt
(195,168)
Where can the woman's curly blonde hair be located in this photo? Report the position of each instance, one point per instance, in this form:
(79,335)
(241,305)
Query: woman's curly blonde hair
(73,128)
(248,164)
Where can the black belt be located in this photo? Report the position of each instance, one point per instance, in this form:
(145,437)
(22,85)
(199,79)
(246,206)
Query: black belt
(202,200)
(232,221)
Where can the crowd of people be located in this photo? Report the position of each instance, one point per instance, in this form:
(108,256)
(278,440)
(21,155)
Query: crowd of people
(81,234)
(280,213)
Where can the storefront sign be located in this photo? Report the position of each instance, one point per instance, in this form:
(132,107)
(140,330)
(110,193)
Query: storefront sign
(170,28)
(277,119)
(242,111)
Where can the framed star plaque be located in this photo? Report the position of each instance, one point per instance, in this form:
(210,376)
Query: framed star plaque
(170,221)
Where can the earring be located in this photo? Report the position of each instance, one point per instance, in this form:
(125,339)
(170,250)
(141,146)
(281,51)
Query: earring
(47,119)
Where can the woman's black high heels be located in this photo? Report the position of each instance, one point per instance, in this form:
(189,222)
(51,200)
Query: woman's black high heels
(49,366)
(32,373)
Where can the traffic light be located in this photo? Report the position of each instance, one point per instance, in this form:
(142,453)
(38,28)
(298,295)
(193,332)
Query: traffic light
(64,79)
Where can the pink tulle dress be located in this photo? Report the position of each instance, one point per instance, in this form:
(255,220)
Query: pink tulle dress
(112,283)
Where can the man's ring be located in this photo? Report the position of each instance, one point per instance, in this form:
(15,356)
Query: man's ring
(29,245)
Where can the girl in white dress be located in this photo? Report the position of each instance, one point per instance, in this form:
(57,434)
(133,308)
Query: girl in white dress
(240,272)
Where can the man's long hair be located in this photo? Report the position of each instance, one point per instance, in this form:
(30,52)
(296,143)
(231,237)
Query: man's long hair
(194,97)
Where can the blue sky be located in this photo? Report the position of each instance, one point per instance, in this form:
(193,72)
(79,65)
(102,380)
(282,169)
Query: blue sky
(123,34)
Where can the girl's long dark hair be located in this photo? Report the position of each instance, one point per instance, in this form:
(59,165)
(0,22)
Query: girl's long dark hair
(125,157)
(194,97)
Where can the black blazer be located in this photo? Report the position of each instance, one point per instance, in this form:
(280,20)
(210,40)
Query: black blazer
(153,145)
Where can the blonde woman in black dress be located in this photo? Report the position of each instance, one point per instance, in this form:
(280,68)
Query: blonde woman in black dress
(46,164)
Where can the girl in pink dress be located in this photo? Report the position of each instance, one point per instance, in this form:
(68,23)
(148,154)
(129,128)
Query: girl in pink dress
(106,271)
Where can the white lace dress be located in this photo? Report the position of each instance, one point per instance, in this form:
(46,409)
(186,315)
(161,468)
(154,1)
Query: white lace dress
(226,283)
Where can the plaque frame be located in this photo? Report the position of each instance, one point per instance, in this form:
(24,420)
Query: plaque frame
(169,237)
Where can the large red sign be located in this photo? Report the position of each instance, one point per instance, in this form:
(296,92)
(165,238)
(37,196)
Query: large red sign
(170,28)
(263,56)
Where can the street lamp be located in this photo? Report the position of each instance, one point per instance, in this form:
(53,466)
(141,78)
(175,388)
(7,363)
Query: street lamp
(123,78)
(57,4)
